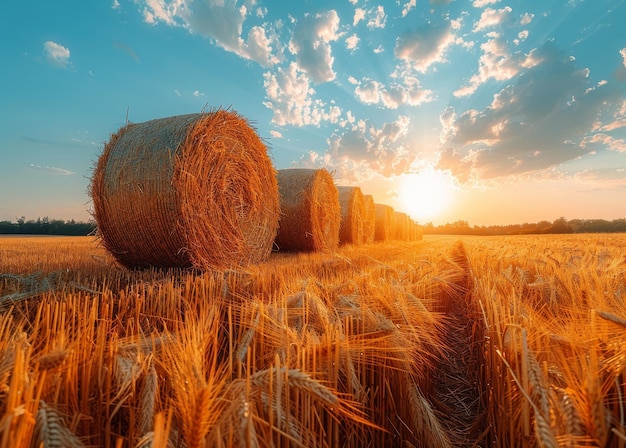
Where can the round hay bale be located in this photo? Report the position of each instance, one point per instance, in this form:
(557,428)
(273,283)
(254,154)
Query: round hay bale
(310,214)
(384,222)
(369,219)
(194,190)
(352,215)
(401,226)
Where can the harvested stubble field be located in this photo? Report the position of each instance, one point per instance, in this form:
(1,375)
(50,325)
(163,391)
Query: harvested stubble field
(517,341)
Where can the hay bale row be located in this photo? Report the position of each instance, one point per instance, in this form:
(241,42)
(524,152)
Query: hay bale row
(200,191)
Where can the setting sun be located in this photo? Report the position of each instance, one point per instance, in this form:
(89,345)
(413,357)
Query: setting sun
(426,194)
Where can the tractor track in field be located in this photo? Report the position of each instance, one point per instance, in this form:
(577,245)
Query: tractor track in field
(457,395)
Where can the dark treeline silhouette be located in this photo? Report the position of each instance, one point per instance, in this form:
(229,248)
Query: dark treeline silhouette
(560,225)
(45,226)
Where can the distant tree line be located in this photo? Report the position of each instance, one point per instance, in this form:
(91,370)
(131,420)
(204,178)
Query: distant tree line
(45,226)
(558,226)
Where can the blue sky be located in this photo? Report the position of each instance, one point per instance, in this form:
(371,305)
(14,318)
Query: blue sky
(493,112)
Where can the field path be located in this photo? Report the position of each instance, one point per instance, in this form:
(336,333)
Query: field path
(457,397)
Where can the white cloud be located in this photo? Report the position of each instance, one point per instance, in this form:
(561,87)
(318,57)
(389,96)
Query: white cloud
(176,92)
(359,14)
(617,121)
(310,42)
(50,170)
(352,42)
(526,19)
(425,46)
(197,93)
(276,134)
(408,6)
(483,3)
(116,4)
(377,18)
(604,140)
(259,47)
(522,35)
(496,62)
(160,11)
(368,91)
(405,91)
(57,54)
(379,49)
(492,17)
(219,20)
(622,52)
(290,97)
(365,151)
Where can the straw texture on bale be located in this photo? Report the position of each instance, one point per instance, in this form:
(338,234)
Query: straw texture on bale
(369,219)
(384,222)
(401,226)
(194,190)
(310,214)
(352,215)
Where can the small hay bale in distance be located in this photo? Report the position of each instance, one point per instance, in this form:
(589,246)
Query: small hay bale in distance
(194,190)
(384,222)
(401,226)
(352,215)
(369,219)
(310,213)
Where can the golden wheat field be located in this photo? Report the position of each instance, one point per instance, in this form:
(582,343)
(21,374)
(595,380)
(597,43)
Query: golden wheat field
(444,342)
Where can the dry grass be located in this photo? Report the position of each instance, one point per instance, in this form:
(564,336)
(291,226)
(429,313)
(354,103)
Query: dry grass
(489,342)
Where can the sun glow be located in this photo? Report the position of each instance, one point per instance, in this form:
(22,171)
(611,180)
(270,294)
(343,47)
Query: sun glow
(426,194)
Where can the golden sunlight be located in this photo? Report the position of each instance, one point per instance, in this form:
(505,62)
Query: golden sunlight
(426,194)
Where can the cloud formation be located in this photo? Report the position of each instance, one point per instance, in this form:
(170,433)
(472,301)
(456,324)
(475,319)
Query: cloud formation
(492,17)
(56,54)
(425,46)
(310,43)
(497,62)
(352,42)
(408,6)
(50,170)
(378,19)
(219,20)
(406,90)
(290,98)
(363,151)
(543,119)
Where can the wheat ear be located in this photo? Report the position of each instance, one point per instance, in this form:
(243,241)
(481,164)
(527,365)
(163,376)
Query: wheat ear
(50,430)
